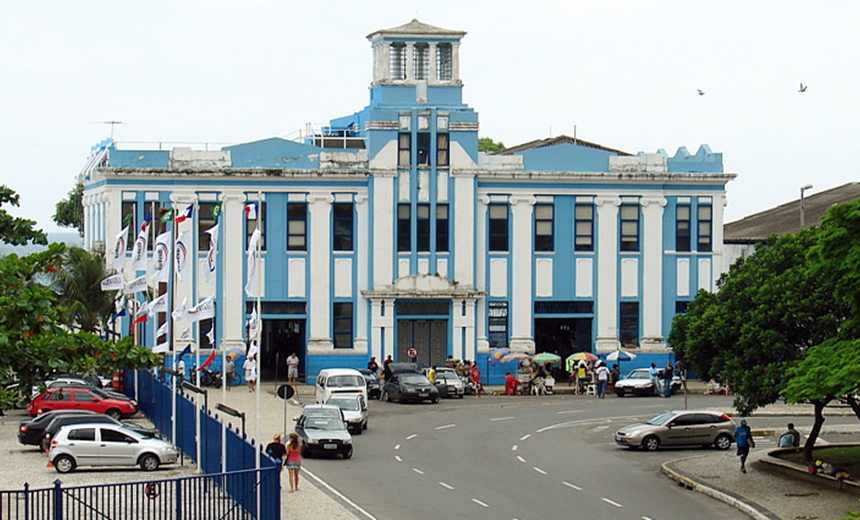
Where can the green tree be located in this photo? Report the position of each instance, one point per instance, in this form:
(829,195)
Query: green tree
(78,285)
(17,231)
(486,144)
(70,211)
(769,310)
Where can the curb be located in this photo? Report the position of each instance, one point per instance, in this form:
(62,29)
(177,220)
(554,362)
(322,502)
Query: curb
(751,509)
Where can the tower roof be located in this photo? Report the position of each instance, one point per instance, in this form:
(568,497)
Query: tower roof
(415,29)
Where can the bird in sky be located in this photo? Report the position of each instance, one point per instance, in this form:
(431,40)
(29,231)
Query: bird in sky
(802,87)
(700,91)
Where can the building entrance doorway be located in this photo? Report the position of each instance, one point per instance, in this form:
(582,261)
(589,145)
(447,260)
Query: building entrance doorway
(428,337)
(563,336)
(280,338)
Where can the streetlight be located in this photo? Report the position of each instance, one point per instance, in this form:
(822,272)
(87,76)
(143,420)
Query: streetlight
(802,216)
(233,412)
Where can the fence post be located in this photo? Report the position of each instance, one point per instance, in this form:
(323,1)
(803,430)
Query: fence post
(178,498)
(58,500)
(26,501)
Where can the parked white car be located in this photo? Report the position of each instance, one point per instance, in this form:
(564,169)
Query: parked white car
(92,444)
(354,411)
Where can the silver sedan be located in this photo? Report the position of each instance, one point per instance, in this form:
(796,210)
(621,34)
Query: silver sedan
(680,428)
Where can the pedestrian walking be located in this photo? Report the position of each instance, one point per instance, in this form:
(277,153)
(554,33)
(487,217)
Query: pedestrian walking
(292,369)
(276,449)
(229,371)
(250,367)
(475,375)
(602,379)
(744,441)
(668,374)
(294,461)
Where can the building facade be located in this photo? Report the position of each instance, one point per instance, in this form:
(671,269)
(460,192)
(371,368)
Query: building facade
(387,230)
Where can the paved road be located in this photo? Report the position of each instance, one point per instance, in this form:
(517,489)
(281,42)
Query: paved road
(515,458)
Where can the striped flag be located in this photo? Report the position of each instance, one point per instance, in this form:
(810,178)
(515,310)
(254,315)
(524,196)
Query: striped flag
(209,265)
(185,215)
(119,249)
(252,265)
(161,258)
(180,257)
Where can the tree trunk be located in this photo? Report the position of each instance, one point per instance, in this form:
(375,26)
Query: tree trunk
(817,423)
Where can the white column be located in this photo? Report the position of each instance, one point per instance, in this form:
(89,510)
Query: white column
(362,244)
(652,273)
(433,75)
(522,250)
(455,61)
(481,273)
(319,257)
(607,273)
(232,254)
(464,235)
(383,231)
(410,61)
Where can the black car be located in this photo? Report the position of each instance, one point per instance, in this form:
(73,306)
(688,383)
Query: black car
(410,387)
(374,389)
(31,432)
(64,420)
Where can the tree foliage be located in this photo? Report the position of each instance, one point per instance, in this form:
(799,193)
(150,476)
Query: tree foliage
(486,144)
(13,230)
(70,211)
(769,310)
(78,285)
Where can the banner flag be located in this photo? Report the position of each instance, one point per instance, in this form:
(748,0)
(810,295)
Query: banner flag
(113,283)
(161,330)
(186,334)
(161,348)
(180,312)
(135,286)
(119,249)
(185,351)
(161,258)
(208,361)
(251,211)
(159,304)
(251,265)
(117,315)
(180,257)
(252,325)
(203,310)
(185,215)
(209,265)
(141,319)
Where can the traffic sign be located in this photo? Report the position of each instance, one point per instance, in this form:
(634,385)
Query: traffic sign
(286,392)
(412,352)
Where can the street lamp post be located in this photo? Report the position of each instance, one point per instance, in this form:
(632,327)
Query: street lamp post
(802,215)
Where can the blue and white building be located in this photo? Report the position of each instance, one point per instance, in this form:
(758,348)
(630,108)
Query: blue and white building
(388,230)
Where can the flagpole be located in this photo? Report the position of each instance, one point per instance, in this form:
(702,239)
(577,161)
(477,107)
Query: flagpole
(193,283)
(259,346)
(171,286)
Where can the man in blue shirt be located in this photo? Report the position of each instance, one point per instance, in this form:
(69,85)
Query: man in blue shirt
(744,441)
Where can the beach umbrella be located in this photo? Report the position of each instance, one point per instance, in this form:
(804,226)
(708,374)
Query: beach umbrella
(497,354)
(546,357)
(578,356)
(515,356)
(620,355)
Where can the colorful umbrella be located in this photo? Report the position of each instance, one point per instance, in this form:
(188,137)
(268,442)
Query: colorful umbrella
(546,357)
(515,356)
(236,352)
(497,354)
(578,356)
(620,355)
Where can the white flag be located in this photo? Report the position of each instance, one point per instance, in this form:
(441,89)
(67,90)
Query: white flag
(209,265)
(135,286)
(138,253)
(119,249)
(253,350)
(252,325)
(203,310)
(180,312)
(159,304)
(113,283)
(161,330)
(252,264)
(180,257)
(186,334)
(161,258)
(161,347)
(211,335)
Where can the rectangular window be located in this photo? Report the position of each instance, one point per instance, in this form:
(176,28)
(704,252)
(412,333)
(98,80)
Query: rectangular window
(297,226)
(584,239)
(397,60)
(422,227)
(682,228)
(705,228)
(543,227)
(260,223)
(206,332)
(404,227)
(629,329)
(444,61)
(421,60)
(404,150)
(630,227)
(441,227)
(205,221)
(343,226)
(498,227)
(343,325)
(442,147)
(423,149)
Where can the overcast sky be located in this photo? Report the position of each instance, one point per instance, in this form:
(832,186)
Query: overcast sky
(625,72)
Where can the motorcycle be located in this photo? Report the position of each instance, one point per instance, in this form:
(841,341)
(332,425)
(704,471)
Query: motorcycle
(208,377)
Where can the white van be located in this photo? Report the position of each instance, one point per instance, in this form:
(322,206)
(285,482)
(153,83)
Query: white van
(339,381)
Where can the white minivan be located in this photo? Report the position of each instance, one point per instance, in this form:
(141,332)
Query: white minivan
(339,381)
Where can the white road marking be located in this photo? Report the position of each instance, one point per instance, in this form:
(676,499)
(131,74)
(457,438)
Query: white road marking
(446,486)
(397,458)
(416,470)
(542,472)
(519,458)
(611,502)
(475,500)
(647,518)
(602,427)
(563,412)
(514,447)
(501,419)
(526,436)
(574,486)
(396,446)
(411,436)
(445,427)
(338,494)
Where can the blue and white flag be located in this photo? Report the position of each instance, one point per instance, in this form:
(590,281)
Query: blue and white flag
(181,311)
(209,265)
(159,304)
(180,258)
(203,310)
(113,283)
(138,253)
(252,265)
(119,249)
(161,330)
(161,258)
(135,286)
(161,348)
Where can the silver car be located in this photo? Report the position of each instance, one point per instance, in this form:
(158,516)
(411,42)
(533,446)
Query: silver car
(322,430)
(354,409)
(108,445)
(680,428)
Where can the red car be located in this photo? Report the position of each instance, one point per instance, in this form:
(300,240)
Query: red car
(80,399)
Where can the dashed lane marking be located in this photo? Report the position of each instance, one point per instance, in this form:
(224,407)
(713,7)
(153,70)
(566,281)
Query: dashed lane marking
(416,470)
(542,472)
(501,419)
(396,446)
(611,502)
(397,458)
(573,486)
(519,458)
(564,412)
(514,447)
(447,486)
(526,436)
(445,427)
(411,436)
(475,500)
